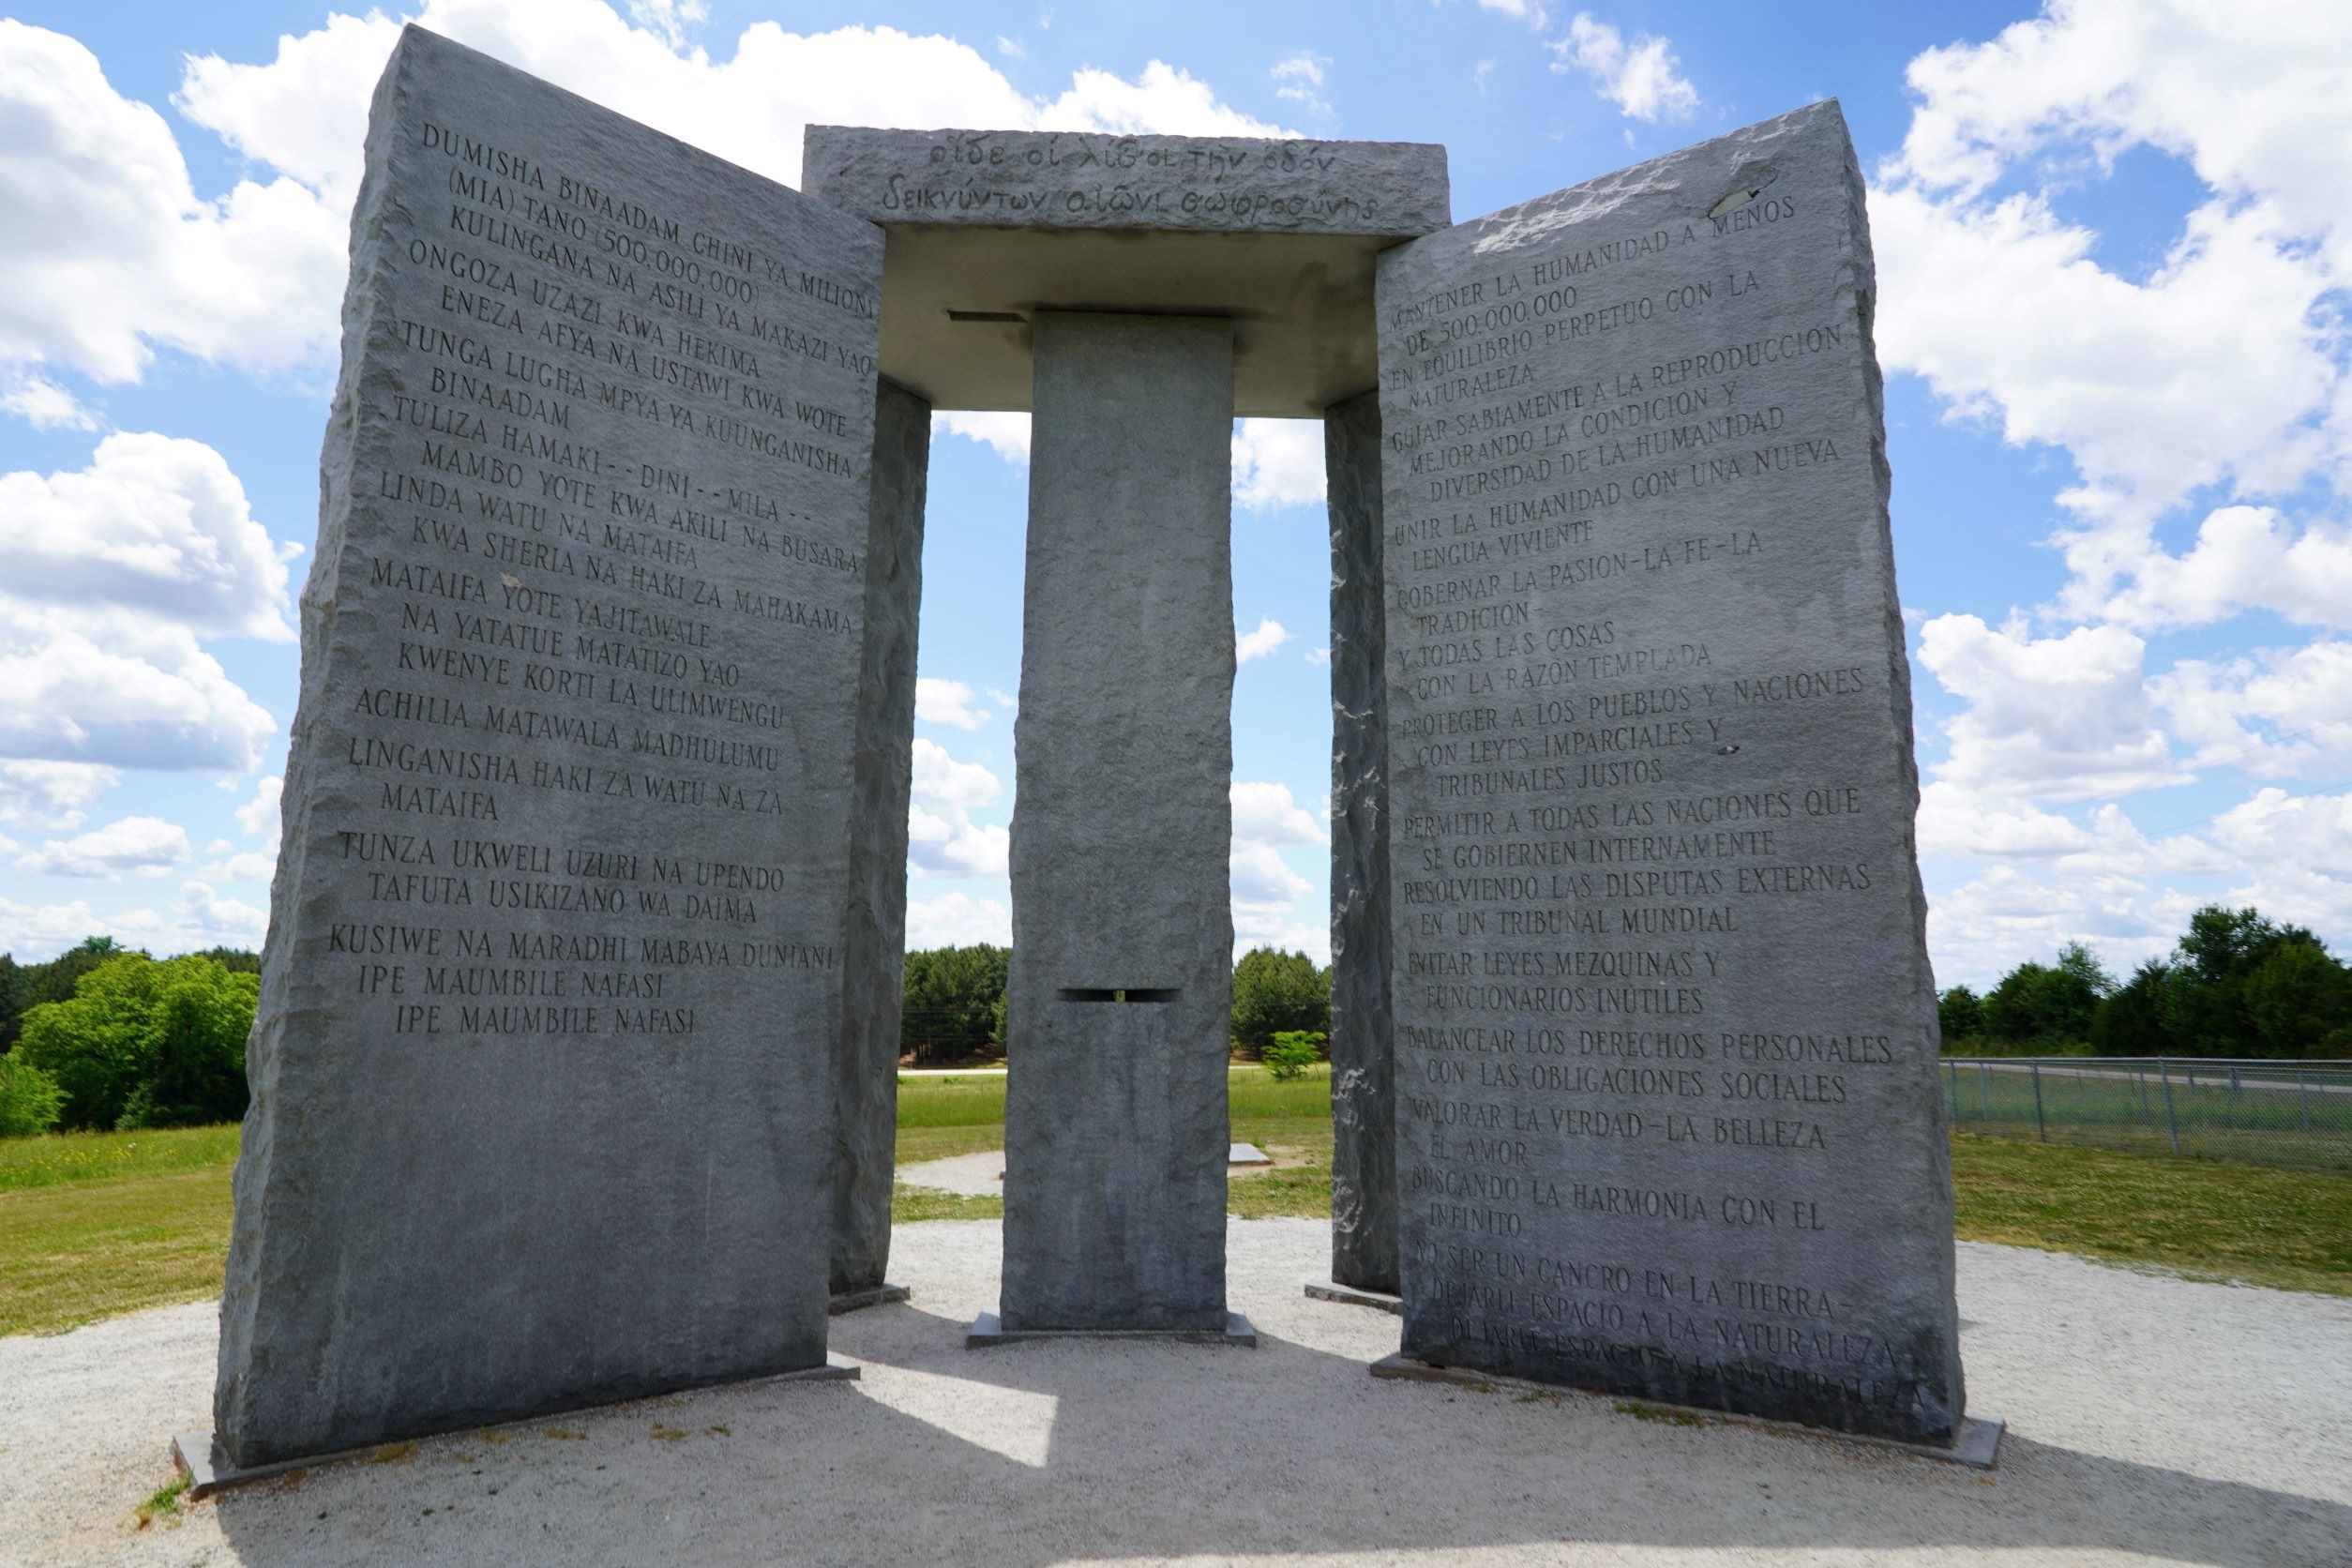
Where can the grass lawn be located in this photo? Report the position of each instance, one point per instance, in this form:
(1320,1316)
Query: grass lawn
(93,1224)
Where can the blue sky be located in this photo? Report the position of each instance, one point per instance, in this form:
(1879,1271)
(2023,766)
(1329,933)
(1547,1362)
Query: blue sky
(2113,268)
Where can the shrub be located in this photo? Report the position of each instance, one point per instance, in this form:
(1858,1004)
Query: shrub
(30,1099)
(1293,1051)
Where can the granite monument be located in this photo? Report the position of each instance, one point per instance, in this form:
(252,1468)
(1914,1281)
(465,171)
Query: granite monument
(542,1110)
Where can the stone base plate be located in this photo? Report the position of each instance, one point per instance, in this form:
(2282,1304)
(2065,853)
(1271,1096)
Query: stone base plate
(1979,1440)
(878,1296)
(1352,1295)
(988,1330)
(201,1458)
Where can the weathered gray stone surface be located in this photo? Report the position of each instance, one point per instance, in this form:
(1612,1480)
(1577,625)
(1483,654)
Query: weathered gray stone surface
(1115,1132)
(1363,1063)
(873,968)
(1668,1122)
(1085,180)
(542,1073)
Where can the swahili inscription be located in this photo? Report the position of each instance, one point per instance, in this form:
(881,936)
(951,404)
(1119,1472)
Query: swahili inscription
(1667,1112)
(559,918)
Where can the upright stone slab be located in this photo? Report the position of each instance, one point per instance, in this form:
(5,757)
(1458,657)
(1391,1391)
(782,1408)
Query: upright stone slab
(1122,989)
(1363,1058)
(873,983)
(542,1073)
(1668,1122)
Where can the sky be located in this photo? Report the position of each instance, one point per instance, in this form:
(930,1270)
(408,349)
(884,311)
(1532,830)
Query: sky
(2113,259)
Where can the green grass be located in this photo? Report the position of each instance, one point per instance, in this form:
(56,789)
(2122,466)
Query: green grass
(2290,1230)
(74,1252)
(40,1162)
(95,1224)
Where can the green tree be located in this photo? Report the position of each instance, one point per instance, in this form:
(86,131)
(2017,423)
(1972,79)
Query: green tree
(1293,1051)
(29,1098)
(955,1002)
(146,1044)
(2300,1001)
(1274,991)
(1960,1015)
(2049,1007)
(14,984)
(2218,955)
(2136,1018)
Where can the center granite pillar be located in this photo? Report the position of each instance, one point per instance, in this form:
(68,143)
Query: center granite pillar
(1123,930)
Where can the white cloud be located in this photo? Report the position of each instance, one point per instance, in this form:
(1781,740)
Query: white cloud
(942,701)
(1268,636)
(1318,656)
(51,794)
(154,525)
(1298,79)
(110,250)
(1005,434)
(116,255)
(115,573)
(1010,48)
(957,920)
(2244,558)
(1261,877)
(2273,712)
(149,846)
(669,19)
(1163,99)
(45,405)
(121,693)
(1643,78)
(2013,314)
(2047,717)
(1267,814)
(1277,462)
(940,777)
(2297,854)
(259,815)
(942,838)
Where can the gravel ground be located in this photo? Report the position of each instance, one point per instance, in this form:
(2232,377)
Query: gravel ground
(2148,1418)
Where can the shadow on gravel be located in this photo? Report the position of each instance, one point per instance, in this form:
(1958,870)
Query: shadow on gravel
(1034,1454)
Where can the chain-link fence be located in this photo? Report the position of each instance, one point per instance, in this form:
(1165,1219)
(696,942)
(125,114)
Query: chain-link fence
(2285,1113)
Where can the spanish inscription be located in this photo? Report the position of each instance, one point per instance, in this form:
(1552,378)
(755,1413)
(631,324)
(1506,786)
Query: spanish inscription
(1666,1107)
(542,1069)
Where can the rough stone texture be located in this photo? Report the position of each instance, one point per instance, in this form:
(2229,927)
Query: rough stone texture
(542,1102)
(1362,1056)
(873,967)
(1115,1128)
(1668,1122)
(1087,180)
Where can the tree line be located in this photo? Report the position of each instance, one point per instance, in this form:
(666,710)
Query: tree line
(2236,984)
(108,1037)
(104,1036)
(954,1009)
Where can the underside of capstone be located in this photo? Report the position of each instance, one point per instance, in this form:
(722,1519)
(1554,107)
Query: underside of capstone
(987,228)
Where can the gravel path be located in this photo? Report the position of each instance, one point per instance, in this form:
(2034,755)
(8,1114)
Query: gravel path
(2148,1418)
